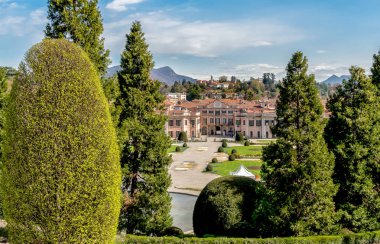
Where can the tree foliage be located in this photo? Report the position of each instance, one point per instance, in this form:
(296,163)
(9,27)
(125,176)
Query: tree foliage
(144,157)
(297,168)
(79,21)
(3,90)
(182,136)
(61,173)
(353,133)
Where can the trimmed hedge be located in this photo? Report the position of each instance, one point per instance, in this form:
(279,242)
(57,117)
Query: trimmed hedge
(225,203)
(61,173)
(368,238)
(224,144)
(214,160)
(220,149)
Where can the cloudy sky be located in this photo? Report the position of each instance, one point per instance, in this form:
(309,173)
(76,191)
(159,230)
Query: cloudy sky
(200,38)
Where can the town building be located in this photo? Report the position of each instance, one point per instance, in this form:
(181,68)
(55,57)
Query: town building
(176,97)
(221,117)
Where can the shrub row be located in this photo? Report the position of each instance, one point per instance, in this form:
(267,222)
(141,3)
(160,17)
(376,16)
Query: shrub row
(368,238)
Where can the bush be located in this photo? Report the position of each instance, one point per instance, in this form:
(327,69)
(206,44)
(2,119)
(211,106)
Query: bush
(173,231)
(224,144)
(214,160)
(184,144)
(209,168)
(247,143)
(182,136)
(61,174)
(233,151)
(178,149)
(224,140)
(232,157)
(239,136)
(223,203)
(220,149)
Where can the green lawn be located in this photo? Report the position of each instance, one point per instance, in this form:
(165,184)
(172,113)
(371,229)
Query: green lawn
(172,148)
(265,141)
(246,150)
(224,168)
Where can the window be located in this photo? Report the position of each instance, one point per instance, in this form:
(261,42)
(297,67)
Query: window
(243,133)
(171,123)
(217,112)
(243,121)
(266,134)
(211,120)
(230,122)
(178,122)
(192,123)
(185,121)
(224,111)
(204,111)
(258,134)
(171,133)
(217,121)
(205,121)
(211,111)
(251,133)
(251,123)
(272,122)
(177,134)
(266,122)
(237,122)
(230,111)
(224,120)
(258,122)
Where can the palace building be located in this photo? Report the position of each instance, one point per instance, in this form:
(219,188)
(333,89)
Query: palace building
(221,117)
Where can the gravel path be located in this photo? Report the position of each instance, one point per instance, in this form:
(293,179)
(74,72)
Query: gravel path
(186,169)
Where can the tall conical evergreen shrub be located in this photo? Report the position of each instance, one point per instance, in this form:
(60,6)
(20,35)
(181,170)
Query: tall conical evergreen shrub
(297,168)
(61,173)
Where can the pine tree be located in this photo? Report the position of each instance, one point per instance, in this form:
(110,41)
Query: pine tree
(144,157)
(79,21)
(297,168)
(353,133)
(61,176)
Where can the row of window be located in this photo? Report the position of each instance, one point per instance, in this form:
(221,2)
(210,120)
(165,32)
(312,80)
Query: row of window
(178,122)
(218,112)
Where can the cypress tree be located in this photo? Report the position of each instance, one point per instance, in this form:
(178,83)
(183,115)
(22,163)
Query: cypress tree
(61,174)
(353,133)
(297,168)
(79,21)
(144,158)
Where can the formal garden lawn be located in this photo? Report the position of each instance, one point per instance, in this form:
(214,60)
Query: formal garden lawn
(172,148)
(265,141)
(246,150)
(224,168)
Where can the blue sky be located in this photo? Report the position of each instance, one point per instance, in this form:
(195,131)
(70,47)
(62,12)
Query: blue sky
(200,38)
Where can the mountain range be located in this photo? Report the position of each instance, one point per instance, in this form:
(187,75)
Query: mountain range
(163,74)
(336,79)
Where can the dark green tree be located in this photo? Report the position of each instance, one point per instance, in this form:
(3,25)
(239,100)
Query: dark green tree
(61,174)
(3,90)
(144,158)
(194,92)
(353,133)
(79,21)
(182,136)
(298,168)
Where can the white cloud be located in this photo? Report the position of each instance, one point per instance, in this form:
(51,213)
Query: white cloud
(321,51)
(323,71)
(31,25)
(121,5)
(169,35)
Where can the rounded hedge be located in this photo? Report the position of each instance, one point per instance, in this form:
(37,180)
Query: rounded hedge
(182,136)
(233,151)
(224,144)
(178,149)
(209,168)
(220,149)
(184,144)
(247,143)
(61,173)
(232,157)
(214,160)
(225,203)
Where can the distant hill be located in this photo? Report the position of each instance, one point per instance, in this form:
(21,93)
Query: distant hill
(163,74)
(336,79)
